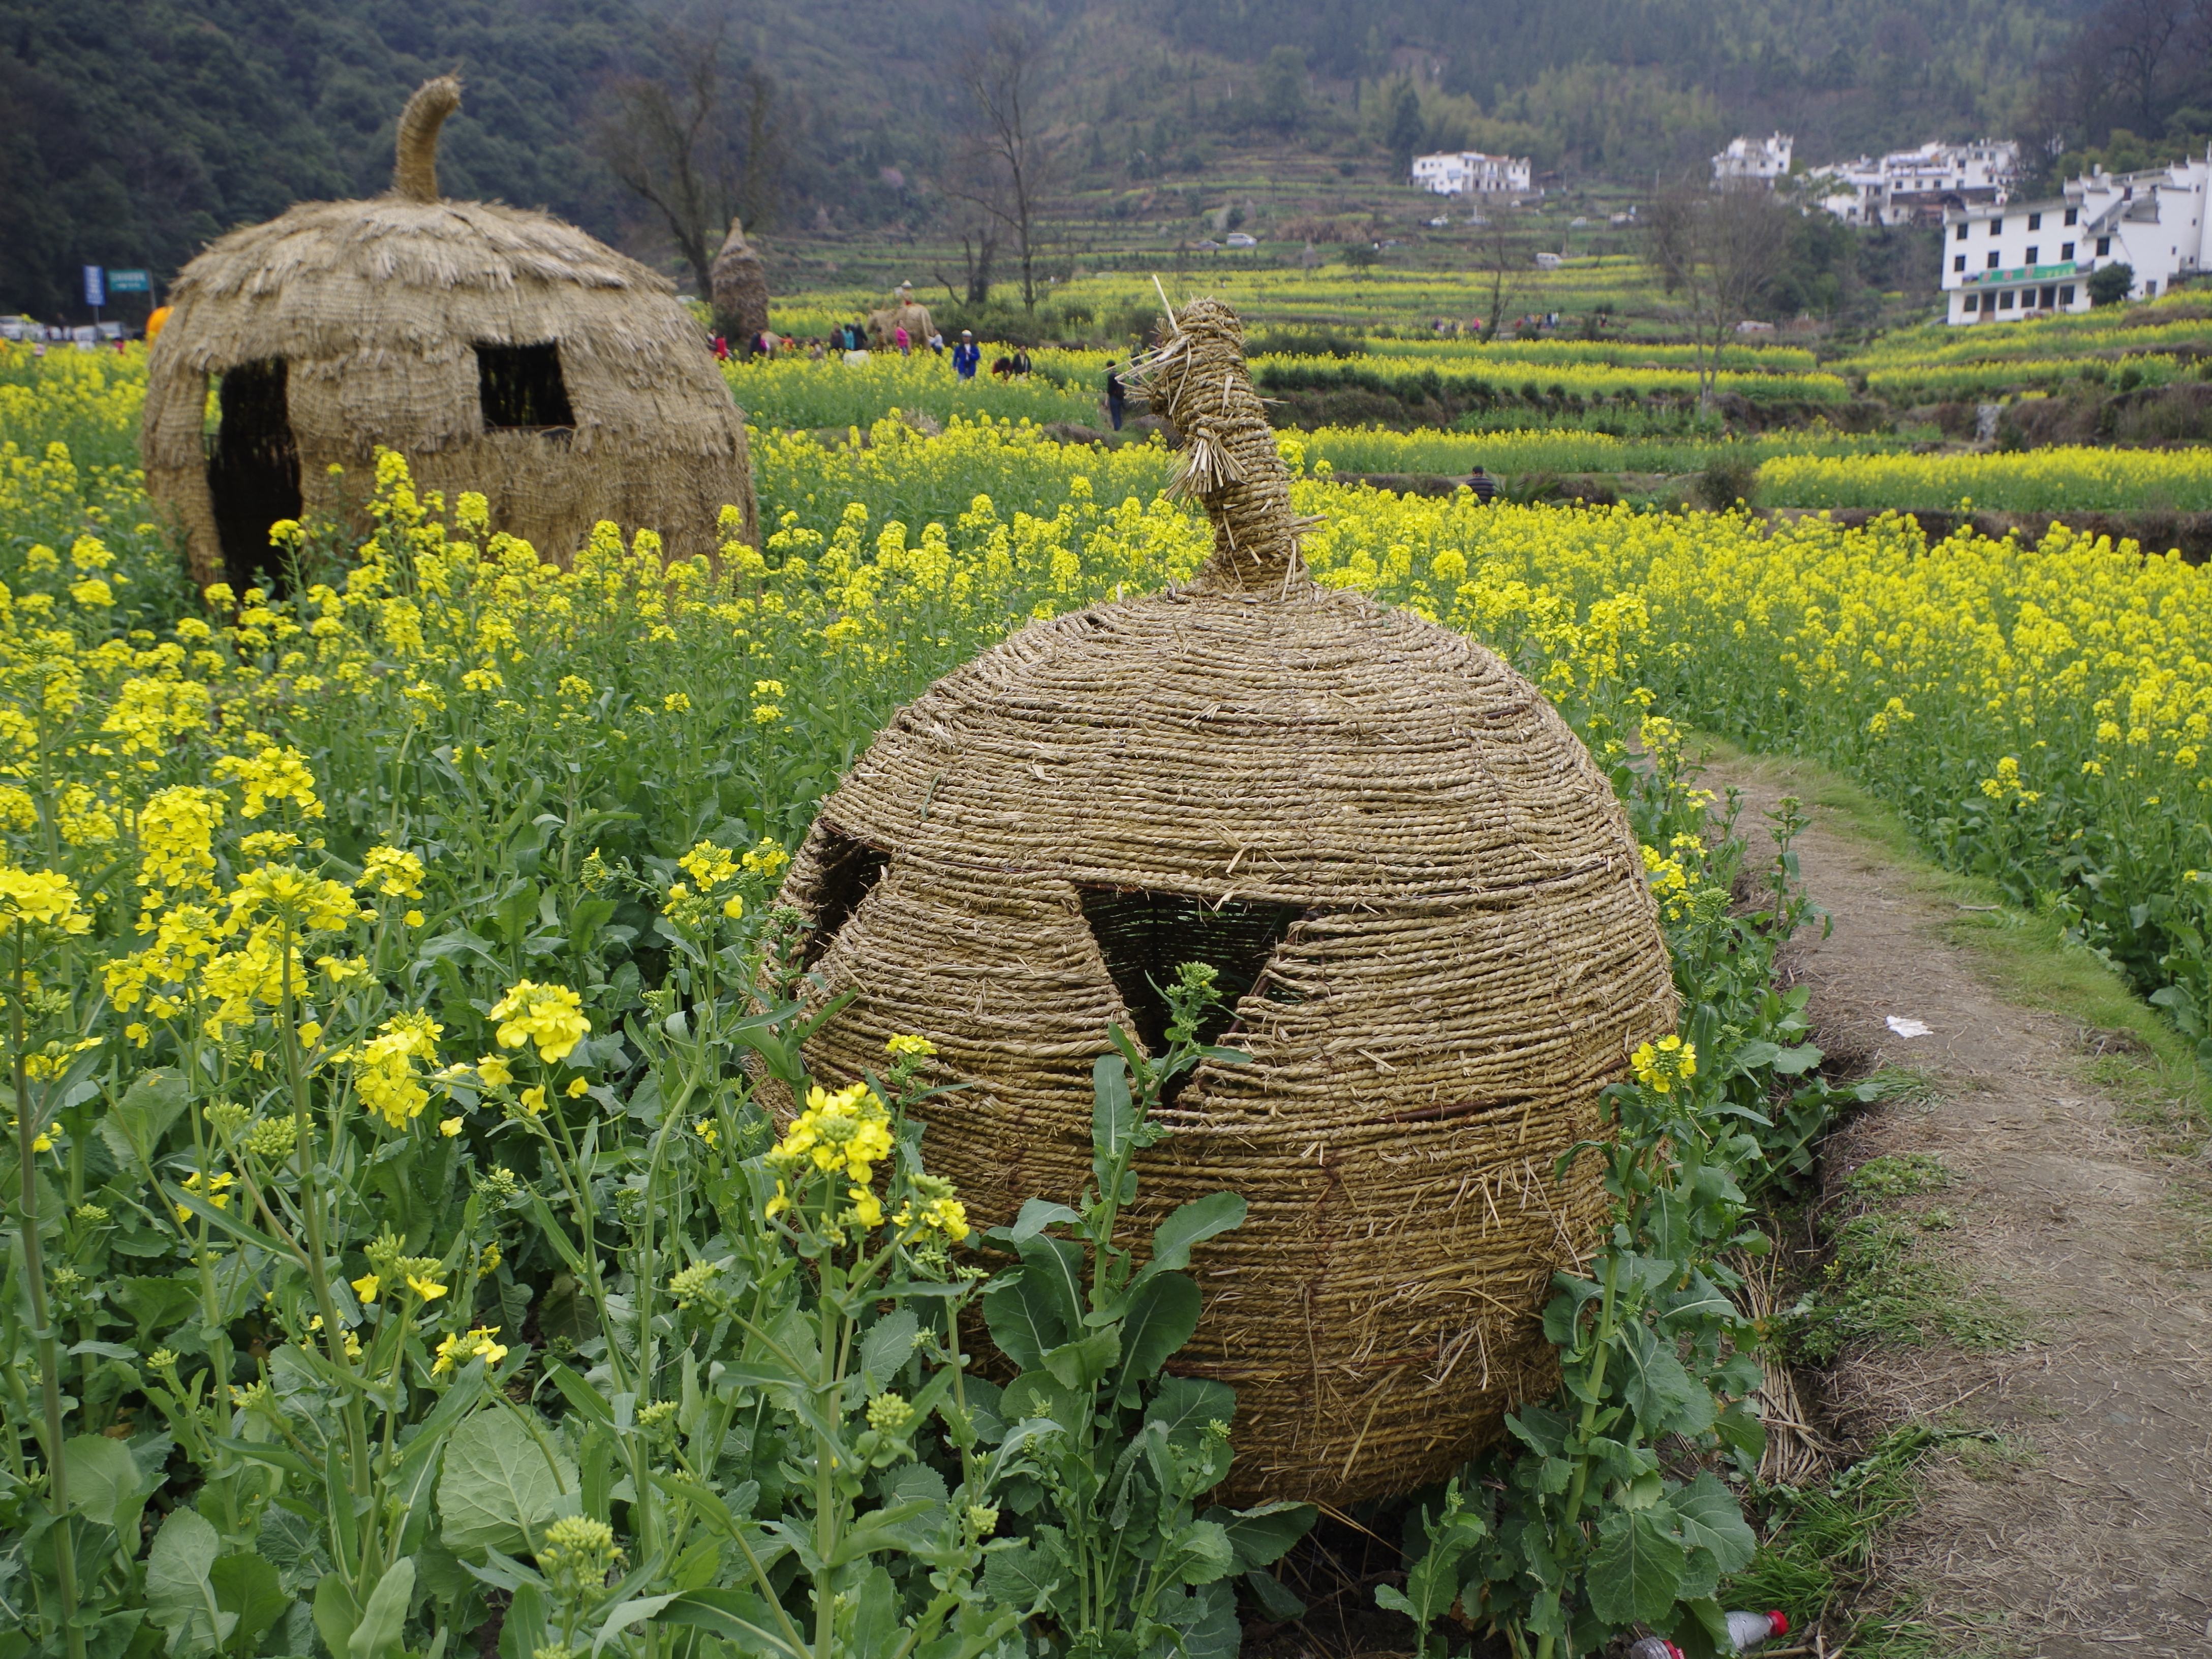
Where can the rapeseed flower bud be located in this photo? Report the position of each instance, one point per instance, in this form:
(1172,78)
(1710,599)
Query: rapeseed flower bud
(460,1348)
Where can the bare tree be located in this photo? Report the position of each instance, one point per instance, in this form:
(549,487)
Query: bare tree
(979,230)
(1008,163)
(2131,63)
(1716,253)
(1499,264)
(760,168)
(2137,38)
(672,143)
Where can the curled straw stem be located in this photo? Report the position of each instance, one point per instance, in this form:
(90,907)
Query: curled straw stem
(415,164)
(1228,465)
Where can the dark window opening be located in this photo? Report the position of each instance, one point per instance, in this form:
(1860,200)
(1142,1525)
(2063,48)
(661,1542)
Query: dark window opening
(520,386)
(850,870)
(254,468)
(1144,936)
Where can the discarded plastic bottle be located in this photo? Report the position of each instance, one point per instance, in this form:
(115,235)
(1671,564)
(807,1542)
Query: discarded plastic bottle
(1746,1630)
(1750,1630)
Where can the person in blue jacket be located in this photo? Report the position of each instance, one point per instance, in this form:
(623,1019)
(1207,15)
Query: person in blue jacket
(966,355)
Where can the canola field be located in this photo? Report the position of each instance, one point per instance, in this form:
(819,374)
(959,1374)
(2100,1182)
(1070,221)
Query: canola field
(2038,711)
(798,390)
(2119,347)
(1542,426)
(1329,296)
(378,948)
(2036,481)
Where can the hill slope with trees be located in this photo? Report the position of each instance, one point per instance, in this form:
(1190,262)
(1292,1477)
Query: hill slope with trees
(132,131)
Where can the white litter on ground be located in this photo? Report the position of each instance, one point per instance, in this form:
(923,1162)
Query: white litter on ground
(1910,1027)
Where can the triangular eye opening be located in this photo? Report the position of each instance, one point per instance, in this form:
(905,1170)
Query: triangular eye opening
(849,869)
(1144,936)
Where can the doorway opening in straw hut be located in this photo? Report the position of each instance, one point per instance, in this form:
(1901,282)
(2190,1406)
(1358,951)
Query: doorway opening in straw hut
(850,870)
(521,386)
(254,468)
(1144,936)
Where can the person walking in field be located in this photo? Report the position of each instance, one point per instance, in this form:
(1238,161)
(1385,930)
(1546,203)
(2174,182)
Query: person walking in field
(1484,486)
(966,355)
(903,340)
(1114,395)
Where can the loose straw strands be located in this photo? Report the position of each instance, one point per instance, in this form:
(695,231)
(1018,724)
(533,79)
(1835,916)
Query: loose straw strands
(1198,378)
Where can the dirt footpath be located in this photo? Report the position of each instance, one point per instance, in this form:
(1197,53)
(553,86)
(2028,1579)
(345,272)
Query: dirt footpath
(2091,1531)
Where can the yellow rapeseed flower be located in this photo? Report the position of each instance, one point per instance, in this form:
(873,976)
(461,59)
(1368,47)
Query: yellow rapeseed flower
(44,898)
(550,1015)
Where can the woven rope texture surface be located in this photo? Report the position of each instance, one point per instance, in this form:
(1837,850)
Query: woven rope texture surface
(1421,893)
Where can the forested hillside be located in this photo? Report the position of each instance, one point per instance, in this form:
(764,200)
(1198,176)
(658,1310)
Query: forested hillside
(133,130)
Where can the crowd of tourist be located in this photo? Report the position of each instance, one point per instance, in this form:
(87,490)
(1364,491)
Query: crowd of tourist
(855,342)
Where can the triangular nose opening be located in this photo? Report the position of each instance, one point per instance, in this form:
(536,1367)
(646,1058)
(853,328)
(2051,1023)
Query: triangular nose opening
(1145,936)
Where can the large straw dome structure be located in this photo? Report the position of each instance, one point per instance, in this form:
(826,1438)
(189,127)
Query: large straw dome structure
(499,350)
(1424,898)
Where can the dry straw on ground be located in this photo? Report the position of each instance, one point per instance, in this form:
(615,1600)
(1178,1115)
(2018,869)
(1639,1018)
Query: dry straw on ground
(1423,894)
(376,310)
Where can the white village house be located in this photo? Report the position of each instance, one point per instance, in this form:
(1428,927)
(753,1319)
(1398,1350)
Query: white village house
(1914,186)
(1754,162)
(1471,172)
(2001,263)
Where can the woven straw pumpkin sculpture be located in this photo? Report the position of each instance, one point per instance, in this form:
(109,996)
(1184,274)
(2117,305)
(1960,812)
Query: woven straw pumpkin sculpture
(1425,901)
(498,350)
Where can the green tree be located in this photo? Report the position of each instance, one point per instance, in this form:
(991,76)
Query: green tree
(1283,87)
(1401,125)
(2111,284)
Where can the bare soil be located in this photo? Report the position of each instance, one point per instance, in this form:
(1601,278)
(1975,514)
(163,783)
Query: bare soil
(2087,1530)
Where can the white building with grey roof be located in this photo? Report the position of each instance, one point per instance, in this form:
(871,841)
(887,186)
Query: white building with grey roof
(2002,261)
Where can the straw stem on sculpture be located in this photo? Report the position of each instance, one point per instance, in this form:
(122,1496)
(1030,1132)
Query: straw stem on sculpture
(1229,464)
(415,167)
